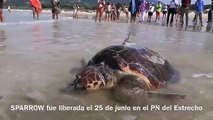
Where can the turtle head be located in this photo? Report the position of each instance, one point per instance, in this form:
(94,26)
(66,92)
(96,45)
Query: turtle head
(94,77)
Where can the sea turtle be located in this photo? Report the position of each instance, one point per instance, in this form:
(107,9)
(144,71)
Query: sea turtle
(127,66)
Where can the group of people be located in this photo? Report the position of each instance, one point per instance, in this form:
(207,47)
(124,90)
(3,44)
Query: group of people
(56,10)
(140,8)
(37,8)
(137,9)
(109,11)
(173,9)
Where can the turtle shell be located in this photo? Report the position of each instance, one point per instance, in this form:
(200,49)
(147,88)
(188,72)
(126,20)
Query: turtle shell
(141,62)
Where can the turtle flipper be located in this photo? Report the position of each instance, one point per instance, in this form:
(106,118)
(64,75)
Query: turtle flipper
(130,88)
(165,95)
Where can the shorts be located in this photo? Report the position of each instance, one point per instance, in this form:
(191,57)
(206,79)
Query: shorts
(164,12)
(109,12)
(157,13)
(150,13)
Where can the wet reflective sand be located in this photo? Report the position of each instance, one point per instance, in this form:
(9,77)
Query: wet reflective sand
(36,59)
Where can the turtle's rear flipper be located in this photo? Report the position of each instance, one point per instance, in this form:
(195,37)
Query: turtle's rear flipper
(165,95)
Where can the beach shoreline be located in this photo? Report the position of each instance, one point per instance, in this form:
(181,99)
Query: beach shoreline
(91,14)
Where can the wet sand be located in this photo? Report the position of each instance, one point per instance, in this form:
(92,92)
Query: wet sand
(36,59)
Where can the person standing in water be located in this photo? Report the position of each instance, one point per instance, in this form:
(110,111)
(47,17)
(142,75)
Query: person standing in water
(142,10)
(199,4)
(172,10)
(55,8)
(114,13)
(150,12)
(158,11)
(133,9)
(108,12)
(100,9)
(75,11)
(164,9)
(1,10)
(126,11)
(36,8)
(185,10)
(118,11)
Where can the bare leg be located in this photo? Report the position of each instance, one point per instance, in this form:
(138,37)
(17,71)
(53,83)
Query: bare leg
(37,14)
(100,14)
(187,15)
(56,16)
(33,13)
(77,15)
(182,15)
(53,15)
(105,16)
(96,16)
(169,12)
(200,17)
(1,16)
(195,18)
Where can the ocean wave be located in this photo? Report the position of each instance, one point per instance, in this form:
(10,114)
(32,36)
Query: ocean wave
(200,75)
(25,22)
(32,22)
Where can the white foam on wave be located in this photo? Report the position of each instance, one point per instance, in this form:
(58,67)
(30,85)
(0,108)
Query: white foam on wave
(26,22)
(200,75)
(32,22)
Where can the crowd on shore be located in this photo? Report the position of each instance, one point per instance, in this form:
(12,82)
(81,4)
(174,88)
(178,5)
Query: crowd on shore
(37,9)
(137,9)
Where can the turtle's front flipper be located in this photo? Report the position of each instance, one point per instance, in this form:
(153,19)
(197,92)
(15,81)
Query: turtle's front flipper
(165,95)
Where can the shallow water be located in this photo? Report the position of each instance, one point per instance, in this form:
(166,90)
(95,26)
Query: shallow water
(36,59)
